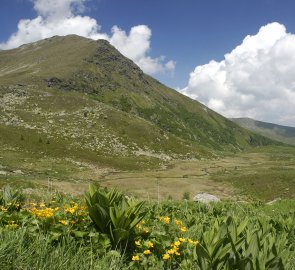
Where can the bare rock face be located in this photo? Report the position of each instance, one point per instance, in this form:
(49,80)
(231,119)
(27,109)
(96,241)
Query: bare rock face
(205,198)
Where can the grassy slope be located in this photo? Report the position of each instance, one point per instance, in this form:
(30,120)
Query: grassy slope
(276,132)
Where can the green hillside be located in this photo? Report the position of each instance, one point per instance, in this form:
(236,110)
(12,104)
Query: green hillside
(276,132)
(69,105)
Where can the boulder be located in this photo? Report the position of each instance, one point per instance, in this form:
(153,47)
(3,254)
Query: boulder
(205,198)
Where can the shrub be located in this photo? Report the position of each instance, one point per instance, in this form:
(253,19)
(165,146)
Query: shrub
(114,215)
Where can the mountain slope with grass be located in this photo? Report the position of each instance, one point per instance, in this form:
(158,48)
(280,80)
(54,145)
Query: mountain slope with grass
(280,133)
(70,105)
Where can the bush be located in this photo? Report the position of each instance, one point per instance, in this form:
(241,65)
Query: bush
(114,215)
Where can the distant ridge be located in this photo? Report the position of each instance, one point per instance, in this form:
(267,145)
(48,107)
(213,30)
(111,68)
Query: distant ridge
(277,132)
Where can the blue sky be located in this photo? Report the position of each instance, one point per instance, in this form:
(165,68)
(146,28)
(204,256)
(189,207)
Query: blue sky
(188,33)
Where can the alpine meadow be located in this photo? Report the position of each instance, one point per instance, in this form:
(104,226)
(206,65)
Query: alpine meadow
(104,167)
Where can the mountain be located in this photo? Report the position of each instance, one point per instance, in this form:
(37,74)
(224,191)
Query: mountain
(280,133)
(70,100)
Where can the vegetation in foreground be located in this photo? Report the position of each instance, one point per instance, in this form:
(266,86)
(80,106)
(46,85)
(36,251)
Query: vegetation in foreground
(107,230)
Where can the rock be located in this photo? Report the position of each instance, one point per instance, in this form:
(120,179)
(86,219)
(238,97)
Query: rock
(18,172)
(274,201)
(3,172)
(205,198)
(53,81)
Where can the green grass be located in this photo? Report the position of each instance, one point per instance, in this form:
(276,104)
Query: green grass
(22,250)
(266,174)
(40,243)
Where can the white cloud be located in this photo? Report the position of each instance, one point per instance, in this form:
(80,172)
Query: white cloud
(55,9)
(61,17)
(136,46)
(256,79)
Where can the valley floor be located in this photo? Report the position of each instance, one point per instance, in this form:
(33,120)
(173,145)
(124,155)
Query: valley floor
(266,174)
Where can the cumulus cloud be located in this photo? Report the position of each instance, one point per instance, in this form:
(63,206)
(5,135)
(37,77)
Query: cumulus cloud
(256,79)
(136,46)
(63,17)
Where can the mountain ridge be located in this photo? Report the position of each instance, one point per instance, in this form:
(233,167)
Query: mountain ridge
(285,134)
(75,97)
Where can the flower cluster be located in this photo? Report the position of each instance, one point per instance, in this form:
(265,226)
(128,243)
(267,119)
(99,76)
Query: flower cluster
(149,246)
(176,246)
(72,210)
(182,228)
(146,247)
(165,219)
(66,215)
(12,225)
(141,228)
(43,212)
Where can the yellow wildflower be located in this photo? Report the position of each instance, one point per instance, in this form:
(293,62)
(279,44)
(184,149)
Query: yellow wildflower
(63,222)
(178,222)
(166,257)
(72,222)
(177,253)
(150,244)
(171,251)
(181,239)
(167,220)
(135,258)
(147,252)
(183,229)
(177,243)
(138,243)
(42,204)
(43,213)
(70,210)
(3,209)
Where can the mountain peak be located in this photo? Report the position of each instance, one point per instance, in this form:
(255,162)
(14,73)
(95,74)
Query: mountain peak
(124,112)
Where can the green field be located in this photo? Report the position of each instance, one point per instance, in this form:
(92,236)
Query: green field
(55,231)
(264,173)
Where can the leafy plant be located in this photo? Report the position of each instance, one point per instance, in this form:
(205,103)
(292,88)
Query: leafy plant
(247,246)
(11,199)
(114,214)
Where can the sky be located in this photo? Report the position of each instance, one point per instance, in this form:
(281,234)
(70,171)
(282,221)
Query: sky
(235,56)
